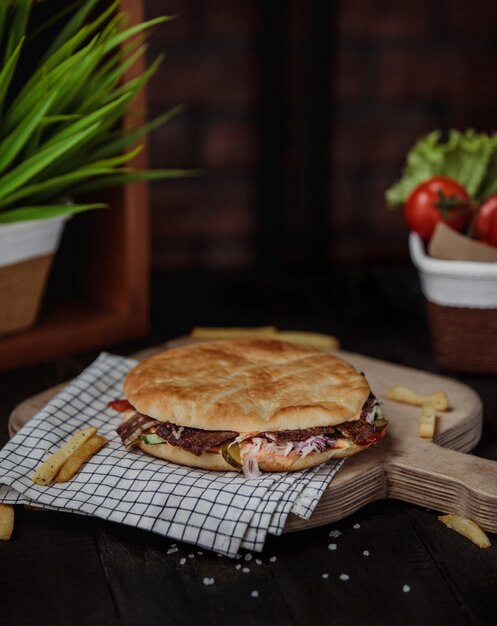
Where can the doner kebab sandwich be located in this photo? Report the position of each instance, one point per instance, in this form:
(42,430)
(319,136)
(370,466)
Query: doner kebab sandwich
(248,405)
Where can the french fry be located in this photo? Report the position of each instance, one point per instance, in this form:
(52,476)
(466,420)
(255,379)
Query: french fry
(399,393)
(47,470)
(200,332)
(6,521)
(427,421)
(310,339)
(467,528)
(78,458)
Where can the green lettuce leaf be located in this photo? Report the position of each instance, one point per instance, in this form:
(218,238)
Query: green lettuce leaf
(488,185)
(468,157)
(423,161)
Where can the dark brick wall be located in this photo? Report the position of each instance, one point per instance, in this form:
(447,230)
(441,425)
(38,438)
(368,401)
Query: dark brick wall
(394,70)
(401,69)
(207,221)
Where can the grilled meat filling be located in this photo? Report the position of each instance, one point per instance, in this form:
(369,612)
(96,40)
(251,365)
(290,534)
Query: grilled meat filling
(198,441)
(193,439)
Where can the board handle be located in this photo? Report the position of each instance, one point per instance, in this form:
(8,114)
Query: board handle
(447,481)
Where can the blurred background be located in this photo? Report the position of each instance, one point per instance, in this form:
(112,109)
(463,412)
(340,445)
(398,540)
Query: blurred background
(300,113)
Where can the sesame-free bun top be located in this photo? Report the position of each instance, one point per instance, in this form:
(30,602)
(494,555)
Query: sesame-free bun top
(247,385)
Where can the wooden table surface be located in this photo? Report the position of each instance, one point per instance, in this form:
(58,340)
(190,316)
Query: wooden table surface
(403,566)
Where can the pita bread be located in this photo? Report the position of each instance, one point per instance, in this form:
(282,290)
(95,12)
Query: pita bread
(215,461)
(247,385)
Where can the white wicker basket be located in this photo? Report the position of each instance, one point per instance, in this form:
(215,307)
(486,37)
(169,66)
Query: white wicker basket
(462,310)
(454,283)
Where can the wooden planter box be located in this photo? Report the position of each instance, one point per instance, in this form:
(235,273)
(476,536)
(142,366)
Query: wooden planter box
(98,292)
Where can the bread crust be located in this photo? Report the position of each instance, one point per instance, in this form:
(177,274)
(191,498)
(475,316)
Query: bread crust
(215,460)
(247,385)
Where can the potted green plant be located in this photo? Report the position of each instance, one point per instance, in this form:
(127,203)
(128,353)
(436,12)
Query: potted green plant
(63,97)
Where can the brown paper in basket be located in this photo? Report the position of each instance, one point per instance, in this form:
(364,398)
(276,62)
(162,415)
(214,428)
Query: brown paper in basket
(450,245)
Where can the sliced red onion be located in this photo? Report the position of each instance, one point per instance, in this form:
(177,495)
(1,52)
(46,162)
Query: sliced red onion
(314,444)
(251,468)
(372,414)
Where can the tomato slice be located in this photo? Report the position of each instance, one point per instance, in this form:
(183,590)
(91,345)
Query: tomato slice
(120,405)
(379,434)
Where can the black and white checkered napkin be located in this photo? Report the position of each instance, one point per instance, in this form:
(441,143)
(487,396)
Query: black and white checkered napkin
(220,511)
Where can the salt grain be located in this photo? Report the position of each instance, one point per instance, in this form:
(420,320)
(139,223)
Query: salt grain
(335,534)
(198,552)
(344,577)
(238,566)
(172,550)
(191,556)
(332,546)
(245,570)
(255,594)
(406,589)
(182,561)
(356,526)
(272,559)
(365,552)
(208,581)
(248,557)
(238,556)
(258,561)
(325,575)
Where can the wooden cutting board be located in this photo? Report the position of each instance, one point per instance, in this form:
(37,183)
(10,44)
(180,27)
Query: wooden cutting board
(436,474)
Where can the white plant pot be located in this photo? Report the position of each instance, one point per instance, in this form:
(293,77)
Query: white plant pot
(21,241)
(26,254)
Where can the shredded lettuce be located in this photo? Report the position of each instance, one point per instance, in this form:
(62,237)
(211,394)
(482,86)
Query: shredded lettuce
(468,157)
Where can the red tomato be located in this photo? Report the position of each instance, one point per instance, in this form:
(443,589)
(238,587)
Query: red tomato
(439,199)
(120,405)
(373,438)
(484,218)
(492,235)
